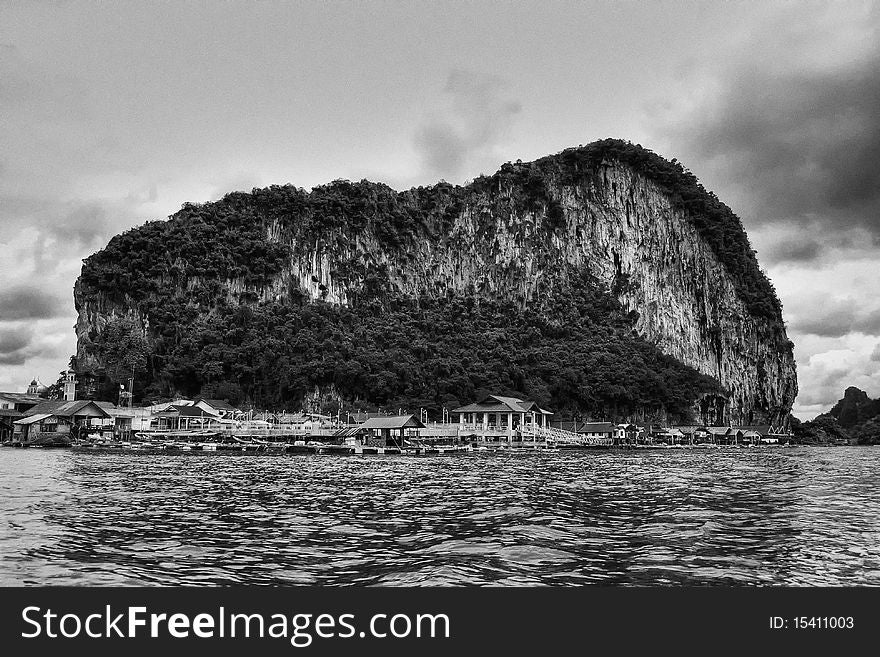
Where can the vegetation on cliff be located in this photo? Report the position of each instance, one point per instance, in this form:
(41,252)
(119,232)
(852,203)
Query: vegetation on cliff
(385,349)
(576,353)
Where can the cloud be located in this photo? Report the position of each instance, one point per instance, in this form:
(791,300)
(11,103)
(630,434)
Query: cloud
(832,372)
(792,132)
(29,301)
(14,339)
(23,342)
(478,119)
(13,345)
(835,317)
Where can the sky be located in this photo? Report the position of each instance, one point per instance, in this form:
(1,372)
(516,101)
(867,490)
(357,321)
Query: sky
(113,114)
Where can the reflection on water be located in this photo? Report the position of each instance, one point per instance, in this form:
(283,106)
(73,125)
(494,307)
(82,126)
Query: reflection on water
(798,516)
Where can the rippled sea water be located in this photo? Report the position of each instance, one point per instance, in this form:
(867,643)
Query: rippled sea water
(792,516)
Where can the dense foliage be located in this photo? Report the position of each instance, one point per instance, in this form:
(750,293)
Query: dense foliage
(212,241)
(576,354)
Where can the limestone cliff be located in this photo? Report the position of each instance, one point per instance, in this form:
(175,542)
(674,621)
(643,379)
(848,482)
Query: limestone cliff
(629,218)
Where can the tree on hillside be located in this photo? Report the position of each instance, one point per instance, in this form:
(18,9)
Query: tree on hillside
(123,349)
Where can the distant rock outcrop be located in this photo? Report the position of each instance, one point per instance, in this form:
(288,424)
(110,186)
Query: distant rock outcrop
(853,419)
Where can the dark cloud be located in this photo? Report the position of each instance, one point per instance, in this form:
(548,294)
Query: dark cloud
(479,118)
(13,345)
(794,247)
(31,301)
(15,339)
(802,146)
(834,318)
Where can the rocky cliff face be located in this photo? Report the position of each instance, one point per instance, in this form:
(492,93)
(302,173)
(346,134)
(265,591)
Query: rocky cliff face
(503,237)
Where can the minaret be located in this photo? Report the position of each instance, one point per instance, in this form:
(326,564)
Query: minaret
(70,386)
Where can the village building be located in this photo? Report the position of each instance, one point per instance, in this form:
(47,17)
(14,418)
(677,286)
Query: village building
(669,436)
(219,407)
(186,418)
(627,434)
(69,385)
(36,388)
(57,422)
(501,419)
(18,401)
(390,430)
(601,430)
(13,406)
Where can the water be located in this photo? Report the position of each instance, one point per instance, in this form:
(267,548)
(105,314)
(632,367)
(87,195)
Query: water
(793,516)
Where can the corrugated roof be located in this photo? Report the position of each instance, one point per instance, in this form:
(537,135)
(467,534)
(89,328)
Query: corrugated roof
(188,411)
(501,404)
(31,419)
(595,427)
(393,422)
(762,429)
(63,408)
(21,398)
(219,404)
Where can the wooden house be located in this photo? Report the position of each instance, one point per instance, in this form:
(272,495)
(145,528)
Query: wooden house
(56,422)
(596,430)
(186,418)
(627,434)
(218,407)
(669,436)
(17,401)
(499,419)
(390,430)
(13,406)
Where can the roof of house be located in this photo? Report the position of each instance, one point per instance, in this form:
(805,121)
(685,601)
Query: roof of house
(31,419)
(393,422)
(187,411)
(21,398)
(718,431)
(10,412)
(62,408)
(595,427)
(762,429)
(496,403)
(155,408)
(218,404)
